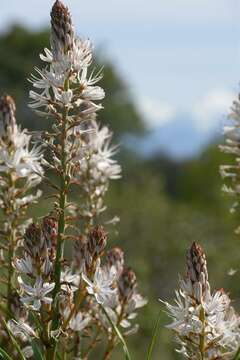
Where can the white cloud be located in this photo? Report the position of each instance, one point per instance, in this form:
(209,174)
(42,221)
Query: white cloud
(212,109)
(207,113)
(156,113)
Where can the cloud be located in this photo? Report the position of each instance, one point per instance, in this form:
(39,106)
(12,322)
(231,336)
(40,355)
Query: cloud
(212,109)
(156,113)
(206,114)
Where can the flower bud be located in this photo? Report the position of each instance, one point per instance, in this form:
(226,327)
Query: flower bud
(62,30)
(7,112)
(97,240)
(197,272)
(127,283)
(115,257)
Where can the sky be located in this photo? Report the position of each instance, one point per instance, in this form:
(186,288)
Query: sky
(177,56)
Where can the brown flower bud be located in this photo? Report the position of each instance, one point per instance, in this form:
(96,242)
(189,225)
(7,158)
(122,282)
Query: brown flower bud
(197,272)
(127,283)
(34,242)
(62,30)
(97,241)
(50,227)
(115,257)
(7,111)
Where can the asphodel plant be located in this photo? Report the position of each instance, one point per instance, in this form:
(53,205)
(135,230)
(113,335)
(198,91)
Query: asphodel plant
(55,306)
(205,324)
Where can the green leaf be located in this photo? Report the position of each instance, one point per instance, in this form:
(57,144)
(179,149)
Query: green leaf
(154,337)
(37,355)
(118,333)
(4,355)
(237,356)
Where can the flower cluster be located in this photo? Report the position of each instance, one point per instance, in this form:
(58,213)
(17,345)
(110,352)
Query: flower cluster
(122,308)
(96,168)
(70,292)
(20,172)
(18,159)
(205,323)
(66,82)
(231,172)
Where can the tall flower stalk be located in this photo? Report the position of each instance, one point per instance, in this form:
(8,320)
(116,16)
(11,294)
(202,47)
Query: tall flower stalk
(20,172)
(90,293)
(230,172)
(204,322)
(67,95)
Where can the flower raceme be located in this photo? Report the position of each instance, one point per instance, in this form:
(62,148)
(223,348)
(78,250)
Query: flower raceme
(20,171)
(65,82)
(205,323)
(65,299)
(16,154)
(230,173)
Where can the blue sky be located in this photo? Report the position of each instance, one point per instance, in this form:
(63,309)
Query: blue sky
(178,56)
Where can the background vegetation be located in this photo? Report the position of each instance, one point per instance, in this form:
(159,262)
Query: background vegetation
(163,204)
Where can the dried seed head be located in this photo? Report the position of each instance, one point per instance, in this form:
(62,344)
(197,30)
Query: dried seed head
(115,257)
(7,111)
(62,36)
(127,283)
(197,272)
(97,241)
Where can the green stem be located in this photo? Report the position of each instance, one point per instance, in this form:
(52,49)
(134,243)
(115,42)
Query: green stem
(61,230)
(237,356)
(51,353)
(202,335)
(11,247)
(119,335)
(154,337)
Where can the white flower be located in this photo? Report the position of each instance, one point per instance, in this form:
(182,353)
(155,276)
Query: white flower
(20,157)
(27,351)
(21,329)
(97,167)
(79,322)
(69,66)
(24,265)
(69,280)
(101,286)
(232,146)
(197,313)
(37,294)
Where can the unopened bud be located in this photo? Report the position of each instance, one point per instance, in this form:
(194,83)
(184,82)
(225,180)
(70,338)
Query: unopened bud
(127,283)
(7,111)
(49,227)
(62,30)
(115,257)
(97,240)
(197,271)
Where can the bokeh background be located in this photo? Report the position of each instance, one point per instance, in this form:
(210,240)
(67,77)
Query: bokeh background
(172,69)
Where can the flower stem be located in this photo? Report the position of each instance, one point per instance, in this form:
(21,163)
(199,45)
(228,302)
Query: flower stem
(11,246)
(61,225)
(120,337)
(202,335)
